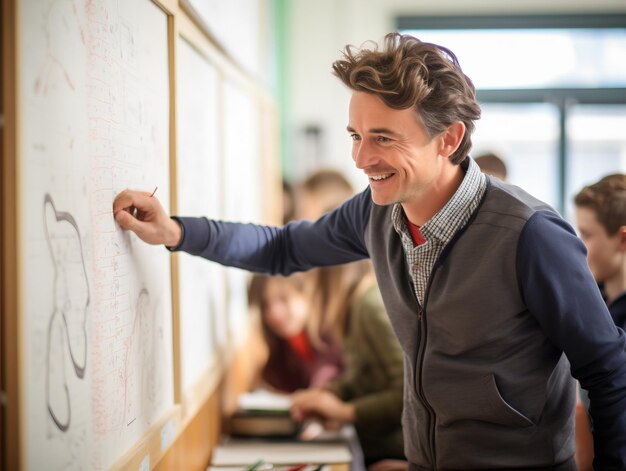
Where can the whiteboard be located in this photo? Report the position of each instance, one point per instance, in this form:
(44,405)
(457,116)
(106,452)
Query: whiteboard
(202,284)
(242,170)
(94,119)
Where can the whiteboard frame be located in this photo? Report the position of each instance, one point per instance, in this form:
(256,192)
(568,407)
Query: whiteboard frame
(12,408)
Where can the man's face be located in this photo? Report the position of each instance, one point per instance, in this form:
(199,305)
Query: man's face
(391,146)
(604,255)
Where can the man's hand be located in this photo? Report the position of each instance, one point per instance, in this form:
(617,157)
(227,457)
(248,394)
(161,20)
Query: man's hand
(143,214)
(322,404)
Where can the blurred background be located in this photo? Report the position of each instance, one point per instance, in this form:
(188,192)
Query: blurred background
(551,78)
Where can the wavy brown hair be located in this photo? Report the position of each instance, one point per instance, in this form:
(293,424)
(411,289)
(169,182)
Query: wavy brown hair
(607,199)
(408,73)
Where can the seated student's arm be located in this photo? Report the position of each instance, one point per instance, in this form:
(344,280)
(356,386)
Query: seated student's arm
(321,404)
(339,401)
(336,238)
(561,293)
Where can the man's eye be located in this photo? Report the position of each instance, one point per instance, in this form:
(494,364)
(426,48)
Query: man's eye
(383,139)
(355,137)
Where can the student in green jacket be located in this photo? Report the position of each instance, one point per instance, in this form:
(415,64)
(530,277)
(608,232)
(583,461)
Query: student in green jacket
(369,392)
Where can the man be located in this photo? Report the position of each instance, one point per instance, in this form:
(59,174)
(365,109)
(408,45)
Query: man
(485,286)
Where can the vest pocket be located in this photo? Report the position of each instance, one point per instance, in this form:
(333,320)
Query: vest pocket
(476,398)
(504,412)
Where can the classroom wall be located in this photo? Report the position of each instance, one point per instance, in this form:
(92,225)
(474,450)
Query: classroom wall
(318,31)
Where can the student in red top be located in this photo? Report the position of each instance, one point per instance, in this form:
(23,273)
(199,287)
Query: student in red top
(294,361)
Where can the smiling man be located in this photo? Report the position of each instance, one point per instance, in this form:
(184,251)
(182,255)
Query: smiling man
(487,288)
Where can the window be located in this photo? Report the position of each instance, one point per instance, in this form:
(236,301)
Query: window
(553,92)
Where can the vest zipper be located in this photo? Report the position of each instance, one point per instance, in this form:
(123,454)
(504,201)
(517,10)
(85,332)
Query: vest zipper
(418,386)
(422,328)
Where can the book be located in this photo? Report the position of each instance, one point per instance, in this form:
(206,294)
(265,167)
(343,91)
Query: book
(263,414)
(263,424)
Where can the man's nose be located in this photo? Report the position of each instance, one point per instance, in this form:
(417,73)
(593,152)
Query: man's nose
(363,155)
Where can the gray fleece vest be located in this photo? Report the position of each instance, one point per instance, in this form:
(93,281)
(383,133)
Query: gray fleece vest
(484,387)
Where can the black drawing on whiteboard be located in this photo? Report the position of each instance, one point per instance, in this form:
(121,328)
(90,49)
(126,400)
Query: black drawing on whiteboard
(67,331)
(143,348)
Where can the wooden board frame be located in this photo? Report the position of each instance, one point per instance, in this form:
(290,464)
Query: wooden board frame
(12,431)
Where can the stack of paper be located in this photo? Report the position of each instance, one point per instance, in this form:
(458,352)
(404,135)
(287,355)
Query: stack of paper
(237,452)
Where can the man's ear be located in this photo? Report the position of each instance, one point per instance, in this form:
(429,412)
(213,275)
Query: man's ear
(451,139)
(622,238)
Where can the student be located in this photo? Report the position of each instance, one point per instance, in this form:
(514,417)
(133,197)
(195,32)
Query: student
(331,288)
(486,287)
(368,393)
(347,303)
(294,362)
(601,220)
(302,320)
(322,191)
(492,165)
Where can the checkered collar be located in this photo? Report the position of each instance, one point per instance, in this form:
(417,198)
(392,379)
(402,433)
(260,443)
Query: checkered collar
(455,213)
